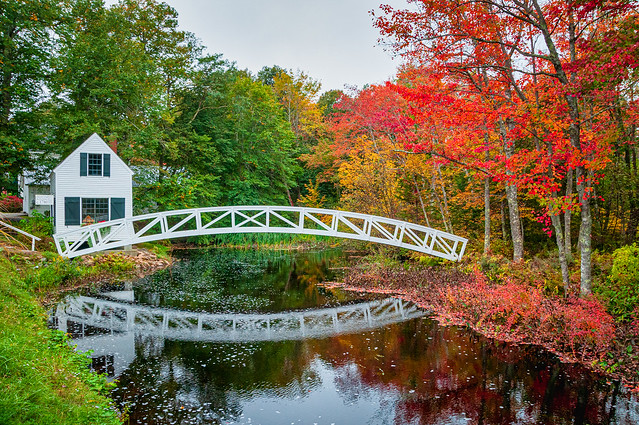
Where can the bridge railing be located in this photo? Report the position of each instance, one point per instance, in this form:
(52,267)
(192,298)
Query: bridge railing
(259,219)
(15,229)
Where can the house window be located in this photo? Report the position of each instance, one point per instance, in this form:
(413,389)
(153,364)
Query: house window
(95,164)
(95,210)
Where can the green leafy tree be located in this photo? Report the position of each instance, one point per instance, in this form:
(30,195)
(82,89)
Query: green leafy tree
(267,74)
(250,144)
(154,27)
(28,30)
(102,82)
(119,73)
(327,100)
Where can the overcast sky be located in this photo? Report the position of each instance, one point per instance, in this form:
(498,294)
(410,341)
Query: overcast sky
(333,41)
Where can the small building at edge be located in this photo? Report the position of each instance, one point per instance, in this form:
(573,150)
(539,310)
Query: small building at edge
(91,185)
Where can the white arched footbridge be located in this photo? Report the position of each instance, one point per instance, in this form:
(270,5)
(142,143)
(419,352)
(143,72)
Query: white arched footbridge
(194,326)
(259,219)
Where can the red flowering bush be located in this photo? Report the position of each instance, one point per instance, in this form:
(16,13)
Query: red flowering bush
(516,305)
(10,204)
(509,309)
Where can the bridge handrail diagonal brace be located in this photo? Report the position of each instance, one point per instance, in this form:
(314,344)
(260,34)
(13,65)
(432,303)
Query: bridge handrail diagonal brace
(247,219)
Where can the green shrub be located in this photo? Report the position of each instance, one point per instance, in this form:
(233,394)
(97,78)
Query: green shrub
(112,263)
(620,289)
(429,260)
(54,273)
(37,225)
(160,248)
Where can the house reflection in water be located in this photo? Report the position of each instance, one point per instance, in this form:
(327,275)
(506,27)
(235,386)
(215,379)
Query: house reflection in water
(111,351)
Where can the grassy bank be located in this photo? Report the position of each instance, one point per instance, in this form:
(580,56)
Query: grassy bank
(42,380)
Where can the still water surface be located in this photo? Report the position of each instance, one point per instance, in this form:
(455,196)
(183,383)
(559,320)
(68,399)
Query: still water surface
(248,337)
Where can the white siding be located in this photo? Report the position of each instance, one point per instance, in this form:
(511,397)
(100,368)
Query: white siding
(67,182)
(28,199)
(24,193)
(29,187)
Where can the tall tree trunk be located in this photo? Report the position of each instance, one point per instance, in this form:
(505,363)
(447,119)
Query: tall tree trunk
(572,29)
(486,216)
(288,194)
(583,183)
(421,200)
(516,232)
(585,233)
(486,200)
(504,234)
(449,225)
(561,248)
(555,218)
(515,222)
(574,130)
(568,219)
(439,203)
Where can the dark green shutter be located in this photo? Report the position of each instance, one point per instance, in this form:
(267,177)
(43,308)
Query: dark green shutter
(117,208)
(83,164)
(106,165)
(71,211)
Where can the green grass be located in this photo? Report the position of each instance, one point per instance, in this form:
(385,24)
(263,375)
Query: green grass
(160,248)
(42,380)
(260,239)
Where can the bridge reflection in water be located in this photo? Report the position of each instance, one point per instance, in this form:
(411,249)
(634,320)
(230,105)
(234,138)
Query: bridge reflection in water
(112,329)
(193,326)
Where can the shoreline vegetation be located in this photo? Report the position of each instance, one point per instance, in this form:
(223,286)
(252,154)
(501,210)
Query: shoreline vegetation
(509,306)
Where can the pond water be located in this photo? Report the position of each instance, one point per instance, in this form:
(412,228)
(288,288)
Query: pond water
(248,337)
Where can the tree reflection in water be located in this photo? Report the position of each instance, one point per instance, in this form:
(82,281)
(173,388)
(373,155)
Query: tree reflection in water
(414,372)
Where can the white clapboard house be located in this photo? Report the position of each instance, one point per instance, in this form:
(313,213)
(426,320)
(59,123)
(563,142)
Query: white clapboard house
(91,185)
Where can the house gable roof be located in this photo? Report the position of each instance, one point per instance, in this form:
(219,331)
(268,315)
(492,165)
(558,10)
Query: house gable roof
(94,138)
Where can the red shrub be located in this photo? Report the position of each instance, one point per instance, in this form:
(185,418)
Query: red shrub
(512,310)
(586,325)
(521,312)
(10,204)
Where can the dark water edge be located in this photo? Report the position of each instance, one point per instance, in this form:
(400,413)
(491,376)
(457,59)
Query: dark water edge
(366,370)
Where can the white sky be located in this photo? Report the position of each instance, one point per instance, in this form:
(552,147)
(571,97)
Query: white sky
(332,41)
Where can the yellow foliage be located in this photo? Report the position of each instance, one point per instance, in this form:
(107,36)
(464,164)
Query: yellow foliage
(312,199)
(370,179)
